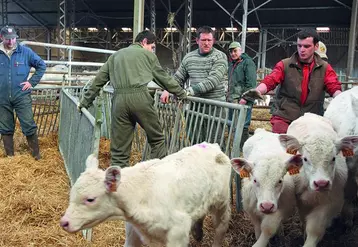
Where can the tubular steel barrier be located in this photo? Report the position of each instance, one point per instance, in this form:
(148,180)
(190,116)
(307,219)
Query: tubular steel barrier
(46,107)
(75,140)
(79,136)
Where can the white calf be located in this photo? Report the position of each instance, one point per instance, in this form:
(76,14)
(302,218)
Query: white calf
(268,192)
(320,185)
(159,199)
(343,113)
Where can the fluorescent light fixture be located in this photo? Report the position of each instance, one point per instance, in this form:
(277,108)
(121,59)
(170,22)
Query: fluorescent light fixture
(231,29)
(253,30)
(170,29)
(126,29)
(92,29)
(322,29)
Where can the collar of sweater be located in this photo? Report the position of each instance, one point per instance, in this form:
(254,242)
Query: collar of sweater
(206,54)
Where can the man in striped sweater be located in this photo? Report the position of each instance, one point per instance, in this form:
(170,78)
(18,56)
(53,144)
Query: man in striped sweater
(203,70)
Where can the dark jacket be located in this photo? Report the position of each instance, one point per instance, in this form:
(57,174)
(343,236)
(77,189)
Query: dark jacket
(15,70)
(241,77)
(288,104)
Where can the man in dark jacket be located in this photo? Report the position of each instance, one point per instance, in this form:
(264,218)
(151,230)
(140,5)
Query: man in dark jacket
(241,77)
(15,89)
(130,70)
(303,80)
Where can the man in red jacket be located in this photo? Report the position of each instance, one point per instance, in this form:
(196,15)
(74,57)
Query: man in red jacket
(303,80)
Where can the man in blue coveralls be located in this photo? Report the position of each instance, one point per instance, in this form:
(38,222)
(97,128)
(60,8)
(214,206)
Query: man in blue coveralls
(15,90)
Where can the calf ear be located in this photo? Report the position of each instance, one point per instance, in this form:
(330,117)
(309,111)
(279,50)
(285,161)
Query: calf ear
(113,176)
(294,164)
(290,143)
(91,161)
(347,145)
(242,167)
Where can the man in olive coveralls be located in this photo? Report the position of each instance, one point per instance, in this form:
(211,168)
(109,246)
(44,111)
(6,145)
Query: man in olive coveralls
(130,70)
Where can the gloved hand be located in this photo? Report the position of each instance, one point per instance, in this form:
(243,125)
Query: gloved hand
(252,94)
(190,91)
(79,107)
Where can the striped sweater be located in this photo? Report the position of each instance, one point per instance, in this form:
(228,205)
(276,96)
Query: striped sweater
(205,72)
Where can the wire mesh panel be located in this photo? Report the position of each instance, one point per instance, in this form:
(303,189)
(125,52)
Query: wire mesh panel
(76,135)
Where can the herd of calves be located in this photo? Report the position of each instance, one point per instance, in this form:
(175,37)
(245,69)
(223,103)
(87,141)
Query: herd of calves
(312,169)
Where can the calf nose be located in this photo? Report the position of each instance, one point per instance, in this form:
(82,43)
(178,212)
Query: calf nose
(267,207)
(64,223)
(321,184)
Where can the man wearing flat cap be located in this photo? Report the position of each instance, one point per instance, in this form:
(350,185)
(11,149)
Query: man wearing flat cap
(241,77)
(15,90)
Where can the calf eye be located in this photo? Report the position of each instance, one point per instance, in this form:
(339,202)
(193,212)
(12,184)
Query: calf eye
(305,159)
(334,159)
(255,181)
(90,200)
(280,181)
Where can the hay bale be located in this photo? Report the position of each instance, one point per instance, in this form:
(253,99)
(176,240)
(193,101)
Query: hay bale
(260,119)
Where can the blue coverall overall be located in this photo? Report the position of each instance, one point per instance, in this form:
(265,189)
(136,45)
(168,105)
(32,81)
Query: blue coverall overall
(15,70)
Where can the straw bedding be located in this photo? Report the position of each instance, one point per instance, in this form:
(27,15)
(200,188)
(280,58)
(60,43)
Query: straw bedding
(34,195)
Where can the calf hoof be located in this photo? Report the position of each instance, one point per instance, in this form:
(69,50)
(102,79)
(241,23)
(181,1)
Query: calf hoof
(197,231)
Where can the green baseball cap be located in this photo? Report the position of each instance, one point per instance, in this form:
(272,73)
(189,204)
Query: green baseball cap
(234,45)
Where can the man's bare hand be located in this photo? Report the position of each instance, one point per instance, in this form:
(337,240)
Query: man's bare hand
(27,85)
(165,97)
(242,102)
(252,94)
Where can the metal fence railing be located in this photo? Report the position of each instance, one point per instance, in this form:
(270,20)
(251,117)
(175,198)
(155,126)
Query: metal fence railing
(190,122)
(79,136)
(46,108)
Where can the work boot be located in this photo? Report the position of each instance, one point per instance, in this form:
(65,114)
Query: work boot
(33,142)
(8,141)
(244,137)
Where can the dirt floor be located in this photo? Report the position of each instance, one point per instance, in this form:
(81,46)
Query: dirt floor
(34,195)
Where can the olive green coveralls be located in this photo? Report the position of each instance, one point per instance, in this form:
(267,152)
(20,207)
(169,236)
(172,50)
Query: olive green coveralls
(130,70)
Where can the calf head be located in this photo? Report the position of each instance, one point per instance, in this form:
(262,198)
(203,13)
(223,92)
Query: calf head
(91,197)
(267,178)
(319,157)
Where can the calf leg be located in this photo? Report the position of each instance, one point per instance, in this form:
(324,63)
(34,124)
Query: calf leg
(132,237)
(221,219)
(269,226)
(316,224)
(257,227)
(178,235)
(197,230)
